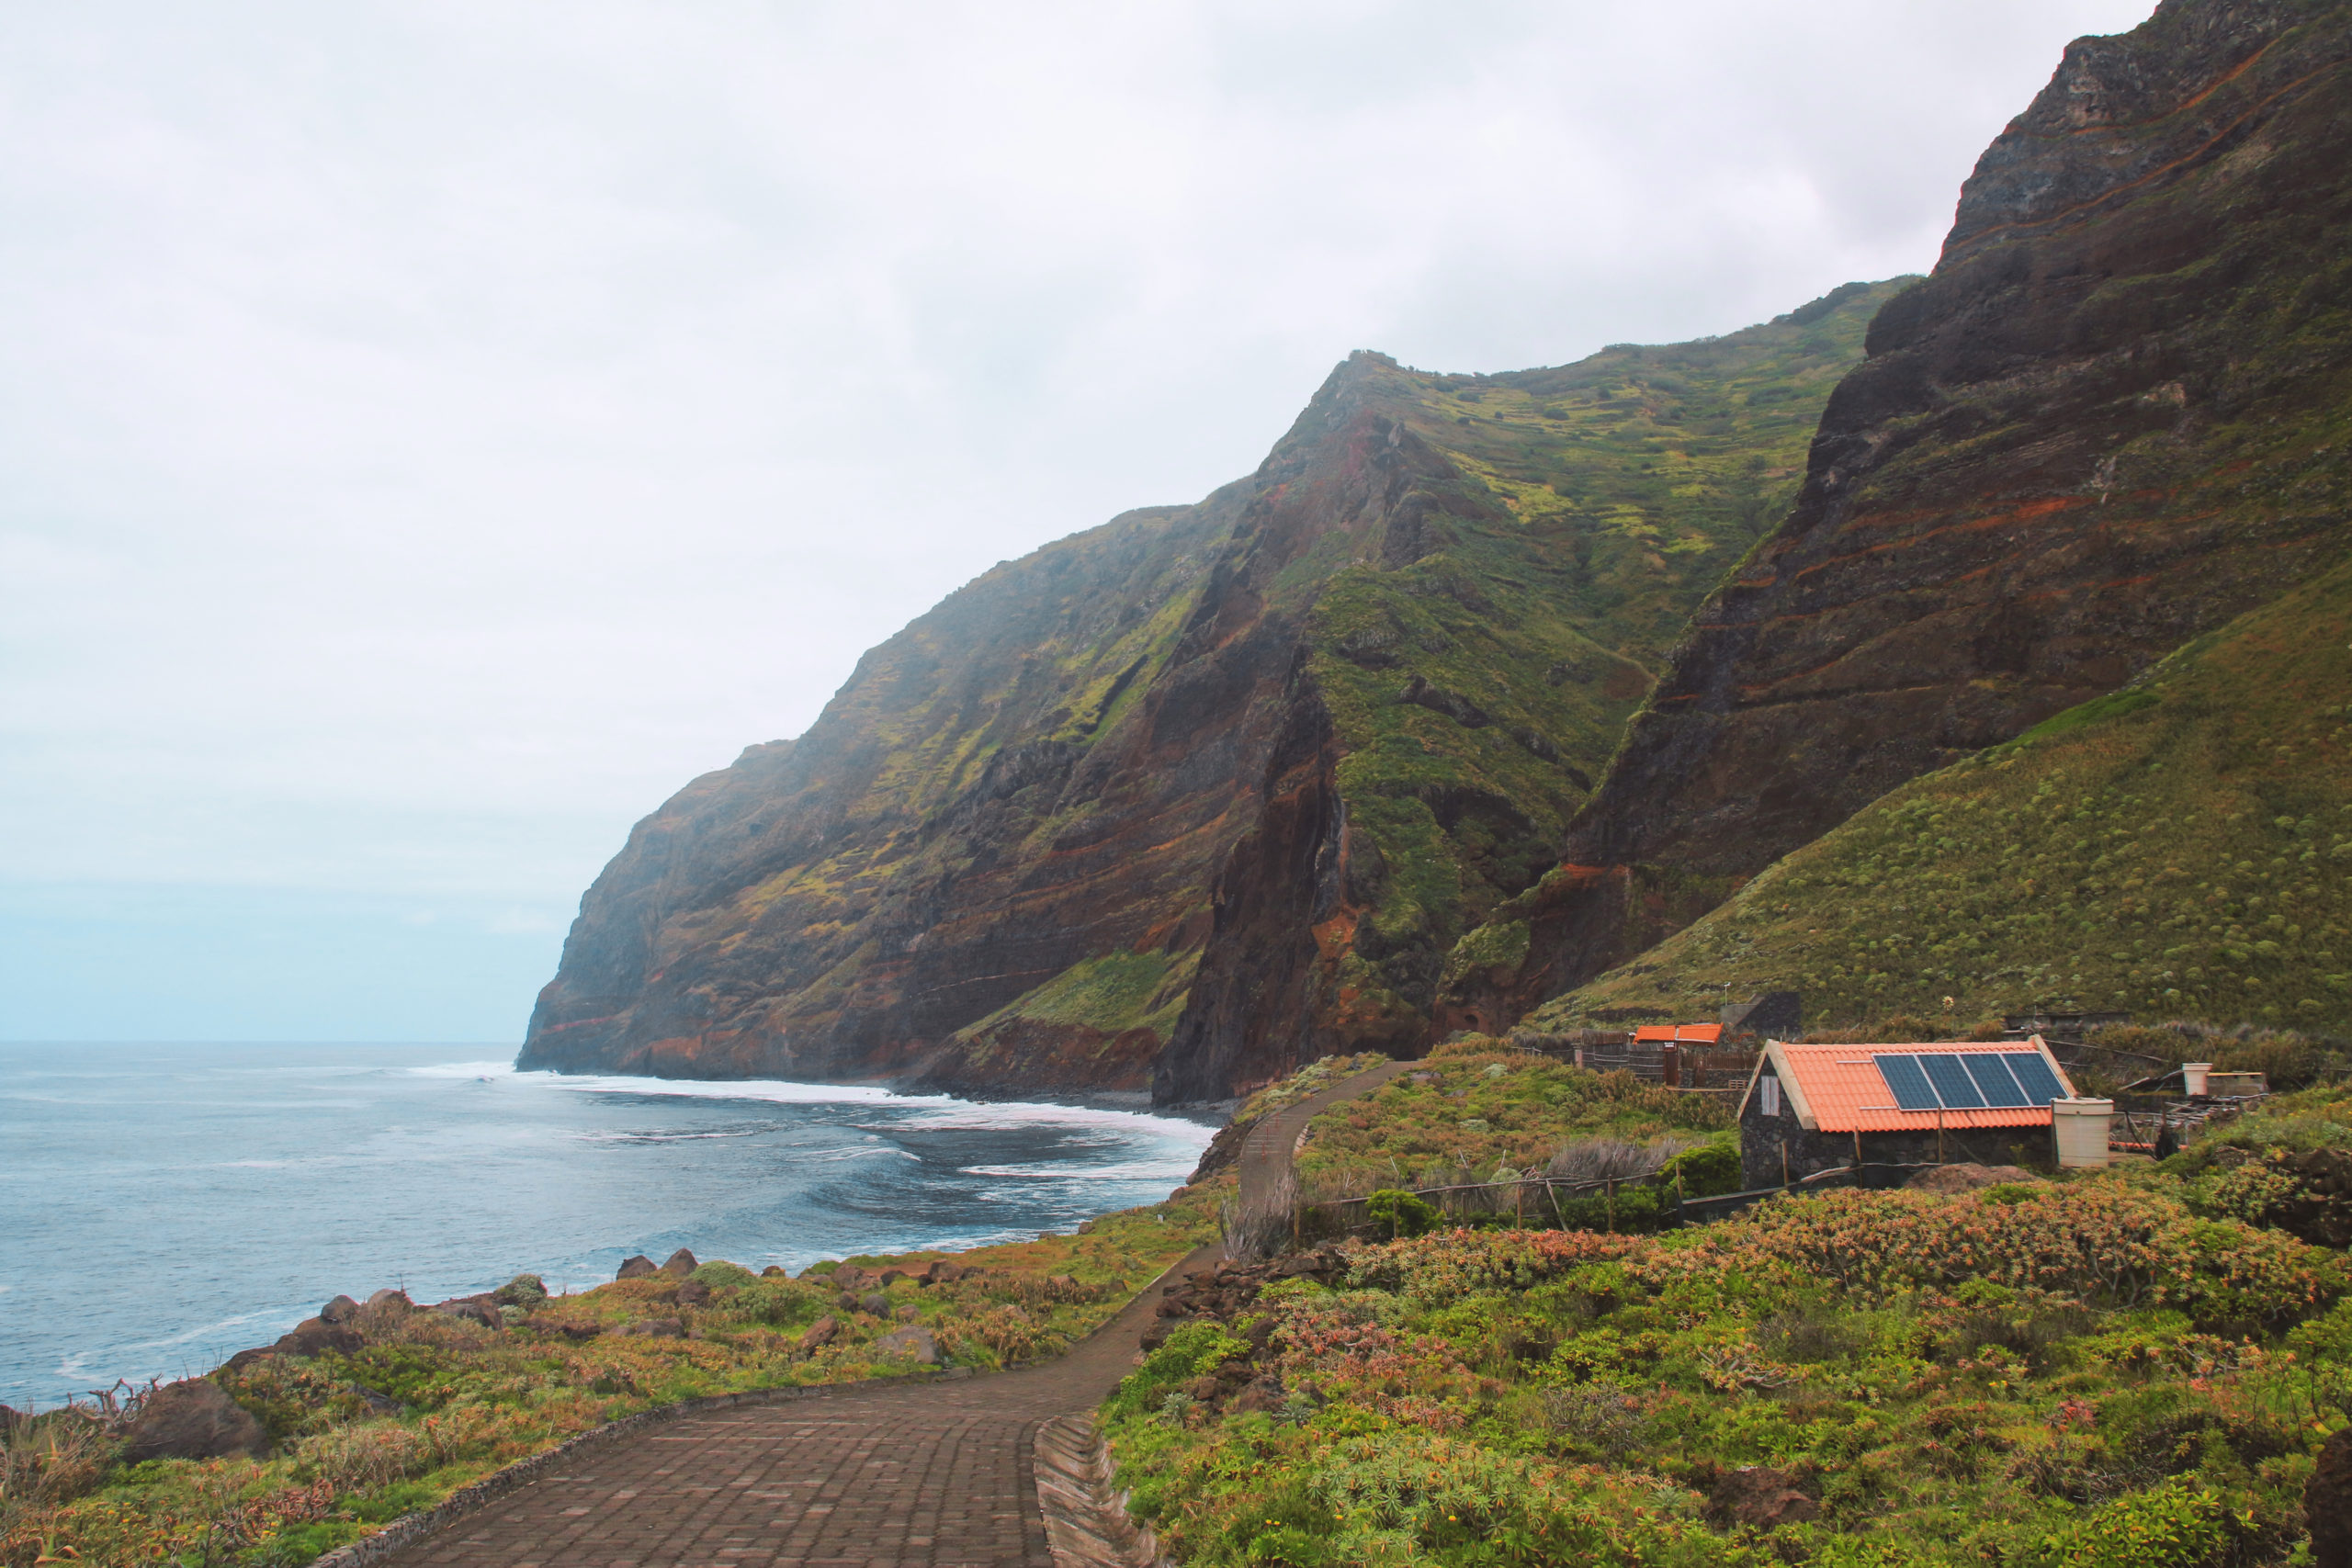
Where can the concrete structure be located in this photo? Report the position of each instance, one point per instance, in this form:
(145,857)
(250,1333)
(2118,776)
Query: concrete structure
(1814,1107)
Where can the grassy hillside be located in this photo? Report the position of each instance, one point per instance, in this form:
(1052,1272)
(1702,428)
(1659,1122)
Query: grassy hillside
(2180,849)
(2131,1369)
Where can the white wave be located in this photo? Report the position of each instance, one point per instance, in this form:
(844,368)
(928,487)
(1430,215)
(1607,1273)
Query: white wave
(929,1112)
(272,1316)
(666,1137)
(1132,1171)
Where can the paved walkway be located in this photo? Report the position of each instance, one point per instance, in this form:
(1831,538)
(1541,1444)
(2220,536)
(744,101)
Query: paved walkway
(923,1475)
(1266,1151)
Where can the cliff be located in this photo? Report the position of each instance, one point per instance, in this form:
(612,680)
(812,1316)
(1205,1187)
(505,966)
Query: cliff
(1182,800)
(2112,419)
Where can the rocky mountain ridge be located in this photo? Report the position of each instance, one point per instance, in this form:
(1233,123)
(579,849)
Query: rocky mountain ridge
(1177,802)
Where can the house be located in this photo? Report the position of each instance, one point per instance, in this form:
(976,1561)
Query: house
(1765,1016)
(1657,1034)
(1813,1108)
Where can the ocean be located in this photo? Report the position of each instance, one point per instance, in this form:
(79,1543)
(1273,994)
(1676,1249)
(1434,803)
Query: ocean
(164,1206)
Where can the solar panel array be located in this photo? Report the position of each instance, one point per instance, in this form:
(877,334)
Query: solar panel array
(2003,1080)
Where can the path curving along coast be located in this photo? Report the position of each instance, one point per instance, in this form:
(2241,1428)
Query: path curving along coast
(936,1473)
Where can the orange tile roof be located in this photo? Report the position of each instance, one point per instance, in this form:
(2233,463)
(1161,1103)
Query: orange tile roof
(1679,1034)
(1836,1089)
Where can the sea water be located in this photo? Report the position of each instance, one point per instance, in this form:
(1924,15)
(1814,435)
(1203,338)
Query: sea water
(163,1207)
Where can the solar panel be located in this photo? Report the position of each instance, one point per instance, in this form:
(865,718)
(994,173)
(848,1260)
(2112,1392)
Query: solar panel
(1910,1086)
(1993,1076)
(1953,1083)
(2034,1076)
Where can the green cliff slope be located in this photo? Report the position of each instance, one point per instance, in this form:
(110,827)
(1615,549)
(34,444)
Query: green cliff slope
(2180,849)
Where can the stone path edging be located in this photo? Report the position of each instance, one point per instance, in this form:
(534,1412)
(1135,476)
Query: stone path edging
(1087,1523)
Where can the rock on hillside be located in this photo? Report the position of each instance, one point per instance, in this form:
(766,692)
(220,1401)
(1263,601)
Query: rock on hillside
(2116,416)
(1182,800)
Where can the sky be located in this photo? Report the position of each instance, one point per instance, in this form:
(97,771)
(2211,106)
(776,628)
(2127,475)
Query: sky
(432,433)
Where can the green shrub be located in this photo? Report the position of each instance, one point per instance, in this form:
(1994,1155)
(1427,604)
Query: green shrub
(2177,1525)
(1399,1213)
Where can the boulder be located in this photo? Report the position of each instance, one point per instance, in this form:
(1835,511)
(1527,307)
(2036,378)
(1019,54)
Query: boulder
(194,1419)
(692,1292)
(942,1272)
(343,1309)
(1759,1495)
(889,1274)
(848,1278)
(657,1328)
(681,1263)
(2327,1503)
(1265,1394)
(1968,1177)
(315,1336)
(910,1343)
(391,1301)
(874,1301)
(819,1333)
(482,1309)
(774,1272)
(636,1268)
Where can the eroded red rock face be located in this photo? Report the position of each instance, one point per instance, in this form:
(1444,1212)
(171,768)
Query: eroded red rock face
(2113,418)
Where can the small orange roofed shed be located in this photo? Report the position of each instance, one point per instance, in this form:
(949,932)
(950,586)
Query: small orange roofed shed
(1679,1034)
(1888,1089)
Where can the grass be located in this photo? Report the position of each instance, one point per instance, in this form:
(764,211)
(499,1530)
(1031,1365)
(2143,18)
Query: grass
(2178,850)
(1476,1106)
(432,1402)
(2124,1368)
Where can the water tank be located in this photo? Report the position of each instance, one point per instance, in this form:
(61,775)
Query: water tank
(2081,1126)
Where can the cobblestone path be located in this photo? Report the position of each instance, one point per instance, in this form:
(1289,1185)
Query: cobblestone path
(914,1475)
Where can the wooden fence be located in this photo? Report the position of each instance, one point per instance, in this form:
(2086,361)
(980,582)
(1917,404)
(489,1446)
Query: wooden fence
(1540,1199)
(1712,1067)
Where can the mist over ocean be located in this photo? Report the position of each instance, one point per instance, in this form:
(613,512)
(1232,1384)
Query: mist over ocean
(165,1206)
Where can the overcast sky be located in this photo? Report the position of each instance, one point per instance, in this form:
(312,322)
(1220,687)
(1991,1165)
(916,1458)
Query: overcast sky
(432,433)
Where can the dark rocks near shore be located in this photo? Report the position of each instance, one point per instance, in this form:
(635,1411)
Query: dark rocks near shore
(192,1419)
(682,1263)
(341,1310)
(636,1268)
